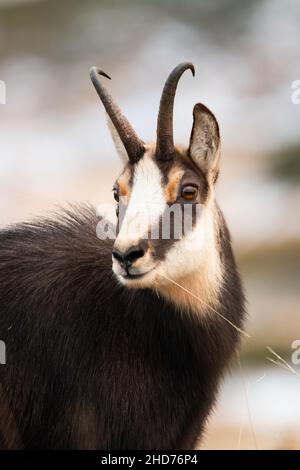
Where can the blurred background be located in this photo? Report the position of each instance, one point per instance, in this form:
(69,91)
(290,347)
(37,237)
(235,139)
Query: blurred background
(55,147)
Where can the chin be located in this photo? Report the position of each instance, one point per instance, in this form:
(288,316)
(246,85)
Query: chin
(142,281)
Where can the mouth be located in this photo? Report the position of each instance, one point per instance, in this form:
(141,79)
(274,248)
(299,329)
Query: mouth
(129,277)
(134,277)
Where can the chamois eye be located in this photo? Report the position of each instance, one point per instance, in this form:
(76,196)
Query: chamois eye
(189,193)
(116,193)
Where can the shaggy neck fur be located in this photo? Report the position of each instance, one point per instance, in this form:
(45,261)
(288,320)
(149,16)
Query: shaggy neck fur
(88,356)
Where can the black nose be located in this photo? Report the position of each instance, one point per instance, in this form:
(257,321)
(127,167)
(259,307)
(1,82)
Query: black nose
(127,258)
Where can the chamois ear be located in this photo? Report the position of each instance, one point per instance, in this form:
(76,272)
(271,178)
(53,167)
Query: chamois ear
(117,141)
(204,147)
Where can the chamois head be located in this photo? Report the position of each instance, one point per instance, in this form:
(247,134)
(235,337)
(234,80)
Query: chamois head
(161,233)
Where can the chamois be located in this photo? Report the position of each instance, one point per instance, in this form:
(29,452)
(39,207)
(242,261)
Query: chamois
(122,343)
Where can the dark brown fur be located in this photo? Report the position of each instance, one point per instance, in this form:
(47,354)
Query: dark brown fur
(92,364)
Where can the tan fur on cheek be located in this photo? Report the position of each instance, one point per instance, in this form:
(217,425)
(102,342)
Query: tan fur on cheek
(172,188)
(191,279)
(195,293)
(123,188)
(124,183)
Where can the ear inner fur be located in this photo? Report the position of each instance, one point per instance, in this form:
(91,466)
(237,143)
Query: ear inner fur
(204,147)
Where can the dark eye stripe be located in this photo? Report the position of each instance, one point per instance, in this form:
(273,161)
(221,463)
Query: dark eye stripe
(116,193)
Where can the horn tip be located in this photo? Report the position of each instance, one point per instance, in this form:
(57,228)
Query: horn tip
(187,66)
(192,68)
(96,71)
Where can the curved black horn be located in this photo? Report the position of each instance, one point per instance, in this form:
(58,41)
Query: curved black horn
(132,143)
(165,143)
